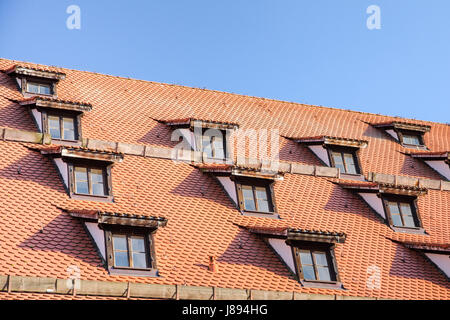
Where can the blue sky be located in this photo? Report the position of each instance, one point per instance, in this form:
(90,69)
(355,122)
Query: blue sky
(318,52)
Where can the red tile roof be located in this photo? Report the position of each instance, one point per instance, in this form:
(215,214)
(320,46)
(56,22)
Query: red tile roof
(39,238)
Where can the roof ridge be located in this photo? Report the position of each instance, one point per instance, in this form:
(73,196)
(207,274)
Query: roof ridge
(228,93)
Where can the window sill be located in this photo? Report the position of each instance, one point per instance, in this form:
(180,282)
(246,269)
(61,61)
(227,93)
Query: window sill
(413,146)
(352,176)
(134,272)
(322,284)
(66,142)
(79,196)
(272,215)
(417,230)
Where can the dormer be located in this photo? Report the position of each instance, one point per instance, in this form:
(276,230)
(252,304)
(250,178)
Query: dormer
(212,139)
(35,81)
(409,135)
(439,161)
(61,119)
(309,254)
(341,153)
(86,173)
(126,242)
(395,204)
(252,191)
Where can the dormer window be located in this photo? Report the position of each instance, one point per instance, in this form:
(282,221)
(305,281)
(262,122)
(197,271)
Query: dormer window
(211,139)
(345,159)
(61,119)
(90,180)
(401,211)
(214,144)
(130,251)
(412,139)
(125,241)
(396,204)
(39,88)
(255,195)
(35,81)
(314,256)
(409,135)
(315,264)
(62,127)
(86,173)
(340,153)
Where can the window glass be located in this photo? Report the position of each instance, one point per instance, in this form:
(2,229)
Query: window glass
(411,139)
(38,88)
(68,128)
(261,196)
(81,180)
(206,146)
(139,255)
(120,249)
(218,148)
(98,187)
(407,215)
(350,163)
(53,127)
(44,89)
(307,265)
(249,201)
(120,243)
(338,161)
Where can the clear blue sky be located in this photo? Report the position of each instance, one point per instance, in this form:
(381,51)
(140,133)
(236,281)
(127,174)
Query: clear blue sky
(318,52)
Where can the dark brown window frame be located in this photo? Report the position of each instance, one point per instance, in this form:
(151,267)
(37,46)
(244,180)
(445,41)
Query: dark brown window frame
(24,85)
(403,199)
(328,248)
(349,150)
(199,143)
(59,113)
(420,135)
(105,167)
(255,182)
(148,234)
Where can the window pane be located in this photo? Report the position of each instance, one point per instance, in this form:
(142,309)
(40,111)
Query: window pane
(44,89)
(206,146)
(138,244)
(120,243)
(53,127)
(250,205)
(324,273)
(350,163)
(81,182)
(406,208)
(396,220)
(321,258)
(338,162)
(305,257)
(263,206)
(33,88)
(308,272)
(393,207)
(69,128)
(97,182)
(411,139)
(218,148)
(249,202)
(409,221)
(121,259)
(139,260)
(261,193)
(261,198)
